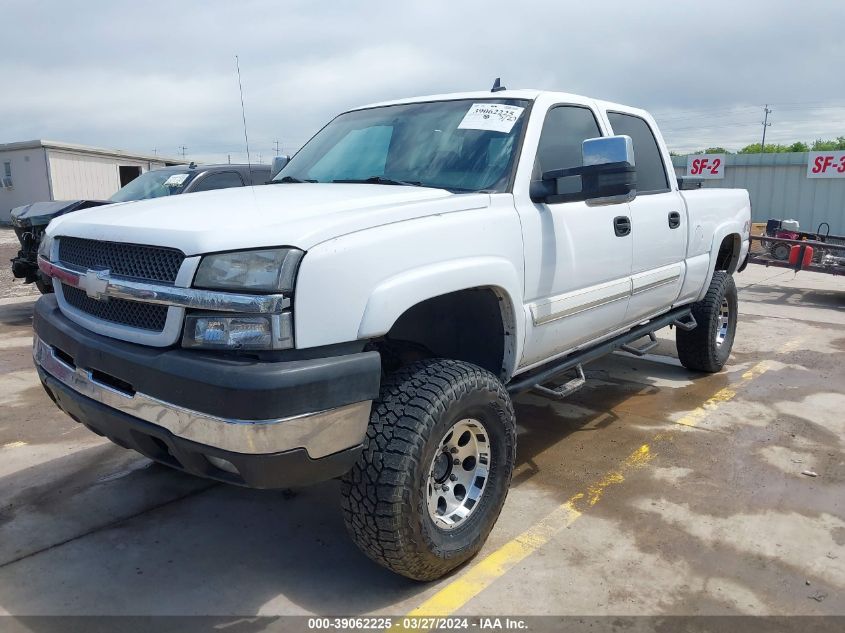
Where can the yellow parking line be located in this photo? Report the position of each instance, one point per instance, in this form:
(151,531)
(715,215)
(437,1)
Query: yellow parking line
(723,395)
(483,573)
(460,591)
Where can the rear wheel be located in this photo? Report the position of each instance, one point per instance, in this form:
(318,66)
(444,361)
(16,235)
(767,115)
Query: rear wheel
(708,346)
(435,470)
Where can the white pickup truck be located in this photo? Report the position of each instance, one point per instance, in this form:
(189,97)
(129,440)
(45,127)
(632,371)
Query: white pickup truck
(370,316)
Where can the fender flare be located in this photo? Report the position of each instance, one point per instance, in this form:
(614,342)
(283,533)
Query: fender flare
(722,231)
(399,293)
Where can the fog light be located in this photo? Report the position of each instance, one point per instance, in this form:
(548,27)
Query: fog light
(238,332)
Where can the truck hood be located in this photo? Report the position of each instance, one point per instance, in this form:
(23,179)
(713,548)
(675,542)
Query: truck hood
(296,214)
(40,213)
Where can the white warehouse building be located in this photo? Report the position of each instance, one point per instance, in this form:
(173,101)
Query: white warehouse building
(36,171)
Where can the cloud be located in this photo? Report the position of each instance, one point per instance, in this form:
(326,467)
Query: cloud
(162,74)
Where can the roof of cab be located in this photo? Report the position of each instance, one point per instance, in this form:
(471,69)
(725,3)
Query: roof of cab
(214,167)
(530,94)
(453,96)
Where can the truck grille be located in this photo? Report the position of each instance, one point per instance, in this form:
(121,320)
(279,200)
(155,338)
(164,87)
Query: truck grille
(145,316)
(148,263)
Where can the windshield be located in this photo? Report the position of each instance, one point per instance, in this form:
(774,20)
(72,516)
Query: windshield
(154,184)
(464,145)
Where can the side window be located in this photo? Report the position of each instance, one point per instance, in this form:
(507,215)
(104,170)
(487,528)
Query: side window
(564,129)
(651,175)
(220,180)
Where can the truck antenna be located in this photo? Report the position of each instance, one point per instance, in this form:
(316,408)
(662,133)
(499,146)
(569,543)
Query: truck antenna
(497,85)
(243,116)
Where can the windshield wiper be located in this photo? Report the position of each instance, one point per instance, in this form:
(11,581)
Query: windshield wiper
(289,179)
(378,180)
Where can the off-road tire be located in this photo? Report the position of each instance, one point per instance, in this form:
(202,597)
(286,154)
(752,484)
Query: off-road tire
(697,348)
(384,495)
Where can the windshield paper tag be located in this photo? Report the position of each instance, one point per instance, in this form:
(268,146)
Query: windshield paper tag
(490,116)
(175,180)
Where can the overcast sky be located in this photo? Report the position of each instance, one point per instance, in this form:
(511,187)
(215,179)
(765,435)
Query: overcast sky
(158,75)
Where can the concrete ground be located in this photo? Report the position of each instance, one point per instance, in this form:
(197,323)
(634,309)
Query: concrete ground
(652,491)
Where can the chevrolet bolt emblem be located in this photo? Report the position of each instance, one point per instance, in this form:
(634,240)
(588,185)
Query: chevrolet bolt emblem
(96,284)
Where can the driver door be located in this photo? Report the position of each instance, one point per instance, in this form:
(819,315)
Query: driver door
(577,261)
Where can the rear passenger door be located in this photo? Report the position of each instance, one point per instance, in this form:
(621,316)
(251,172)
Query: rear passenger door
(658,223)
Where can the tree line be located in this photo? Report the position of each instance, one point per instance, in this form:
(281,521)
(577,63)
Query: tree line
(819,145)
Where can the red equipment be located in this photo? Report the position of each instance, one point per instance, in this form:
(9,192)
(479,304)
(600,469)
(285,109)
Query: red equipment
(794,254)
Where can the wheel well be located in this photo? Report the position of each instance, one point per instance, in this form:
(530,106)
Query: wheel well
(728,256)
(474,325)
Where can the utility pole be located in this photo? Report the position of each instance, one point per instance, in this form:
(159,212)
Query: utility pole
(259,158)
(277,147)
(155,151)
(766,124)
(183,151)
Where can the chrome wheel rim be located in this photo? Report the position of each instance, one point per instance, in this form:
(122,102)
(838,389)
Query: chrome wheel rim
(723,322)
(458,473)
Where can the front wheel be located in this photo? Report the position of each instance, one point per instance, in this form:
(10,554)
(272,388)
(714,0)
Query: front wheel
(435,470)
(708,346)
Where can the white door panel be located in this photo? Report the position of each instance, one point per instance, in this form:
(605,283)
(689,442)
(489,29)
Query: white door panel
(577,281)
(652,279)
(654,291)
(658,253)
(655,243)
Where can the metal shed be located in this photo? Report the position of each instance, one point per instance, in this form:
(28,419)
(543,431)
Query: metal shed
(35,171)
(779,188)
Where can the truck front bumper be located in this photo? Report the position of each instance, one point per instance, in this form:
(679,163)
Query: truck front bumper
(263,424)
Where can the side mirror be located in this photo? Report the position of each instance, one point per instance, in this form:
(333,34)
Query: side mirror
(607,175)
(278,164)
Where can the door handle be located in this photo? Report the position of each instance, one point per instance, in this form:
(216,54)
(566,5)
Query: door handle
(622,225)
(674,220)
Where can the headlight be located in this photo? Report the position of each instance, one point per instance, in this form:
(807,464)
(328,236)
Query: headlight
(46,246)
(270,270)
(238,332)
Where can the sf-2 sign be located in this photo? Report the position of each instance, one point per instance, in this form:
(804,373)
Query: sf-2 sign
(826,165)
(709,166)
